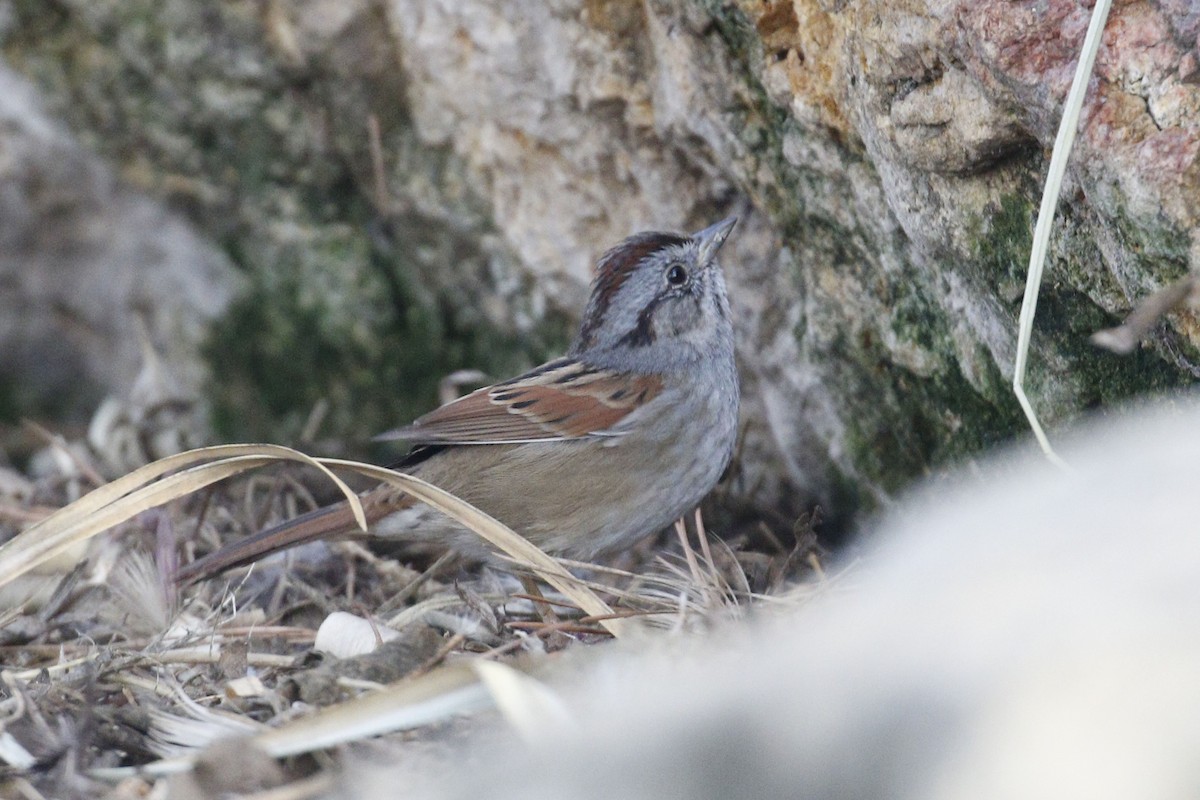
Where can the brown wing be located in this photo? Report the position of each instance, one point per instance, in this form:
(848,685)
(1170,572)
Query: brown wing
(563,399)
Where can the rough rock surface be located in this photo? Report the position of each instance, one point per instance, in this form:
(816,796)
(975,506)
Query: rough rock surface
(418,186)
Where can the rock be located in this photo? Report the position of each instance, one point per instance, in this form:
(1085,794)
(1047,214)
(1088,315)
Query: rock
(394,659)
(227,766)
(91,269)
(417,187)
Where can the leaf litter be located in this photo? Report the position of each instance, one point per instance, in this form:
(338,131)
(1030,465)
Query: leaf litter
(115,683)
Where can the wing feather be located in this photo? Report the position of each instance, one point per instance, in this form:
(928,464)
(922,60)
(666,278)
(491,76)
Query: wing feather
(564,399)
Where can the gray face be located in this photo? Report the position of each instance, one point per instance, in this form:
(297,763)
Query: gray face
(660,298)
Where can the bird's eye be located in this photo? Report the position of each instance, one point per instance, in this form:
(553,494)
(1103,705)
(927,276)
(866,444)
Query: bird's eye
(677,275)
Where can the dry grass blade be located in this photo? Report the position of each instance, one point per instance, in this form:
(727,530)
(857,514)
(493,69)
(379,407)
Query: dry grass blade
(429,698)
(688,553)
(501,536)
(13,754)
(52,671)
(1063,142)
(142,489)
(529,705)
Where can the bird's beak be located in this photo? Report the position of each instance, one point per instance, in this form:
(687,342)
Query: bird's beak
(711,238)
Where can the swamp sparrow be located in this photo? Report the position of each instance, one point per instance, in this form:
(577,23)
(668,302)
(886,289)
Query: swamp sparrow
(585,454)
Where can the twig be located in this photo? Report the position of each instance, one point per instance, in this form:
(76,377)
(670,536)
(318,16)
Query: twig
(543,599)
(548,628)
(196,656)
(25,513)
(59,443)
(375,143)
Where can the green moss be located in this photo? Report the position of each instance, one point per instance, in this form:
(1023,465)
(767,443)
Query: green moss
(1066,373)
(914,320)
(905,424)
(1002,242)
(283,348)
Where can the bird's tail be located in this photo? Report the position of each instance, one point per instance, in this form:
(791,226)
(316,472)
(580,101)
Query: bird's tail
(323,523)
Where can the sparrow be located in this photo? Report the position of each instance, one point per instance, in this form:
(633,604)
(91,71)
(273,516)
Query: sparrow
(584,455)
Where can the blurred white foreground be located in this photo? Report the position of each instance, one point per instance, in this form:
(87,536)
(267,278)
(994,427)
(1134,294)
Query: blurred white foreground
(1031,634)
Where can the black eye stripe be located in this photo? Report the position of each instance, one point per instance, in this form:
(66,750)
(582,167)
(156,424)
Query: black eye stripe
(643,333)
